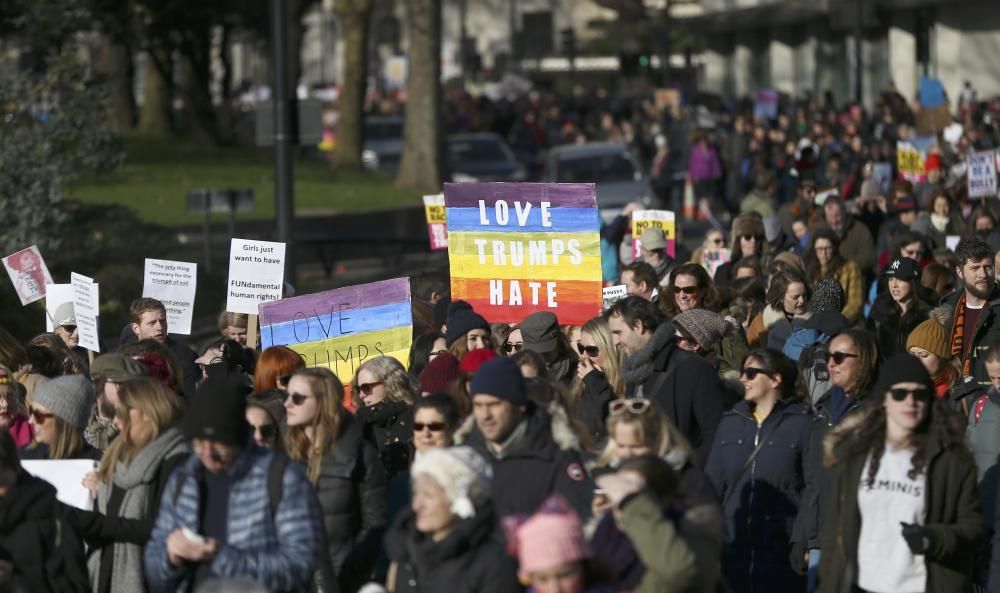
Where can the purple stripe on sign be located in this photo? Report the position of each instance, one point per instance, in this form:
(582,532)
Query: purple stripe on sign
(561,195)
(346,299)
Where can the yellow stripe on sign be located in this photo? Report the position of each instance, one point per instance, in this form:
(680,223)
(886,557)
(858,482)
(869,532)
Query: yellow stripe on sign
(345,370)
(435,213)
(346,353)
(468,266)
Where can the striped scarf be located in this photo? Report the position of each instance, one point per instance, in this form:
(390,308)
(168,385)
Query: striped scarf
(958,335)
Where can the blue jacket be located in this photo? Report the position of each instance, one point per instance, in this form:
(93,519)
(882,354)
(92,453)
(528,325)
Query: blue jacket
(280,553)
(762,503)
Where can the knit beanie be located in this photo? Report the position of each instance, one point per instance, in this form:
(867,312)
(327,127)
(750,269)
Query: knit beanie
(461,320)
(903,368)
(115,367)
(540,332)
(462,473)
(439,373)
(551,537)
(271,401)
(828,296)
(932,337)
(70,398)
(475,359)
(500,377)
(706,327)
(218,412)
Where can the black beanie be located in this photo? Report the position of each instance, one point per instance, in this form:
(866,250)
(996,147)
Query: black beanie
(500,377)
(461,320)
(903,368)
(218,412)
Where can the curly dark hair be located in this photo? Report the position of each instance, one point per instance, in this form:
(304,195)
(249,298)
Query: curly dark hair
(710,298)
(811,260)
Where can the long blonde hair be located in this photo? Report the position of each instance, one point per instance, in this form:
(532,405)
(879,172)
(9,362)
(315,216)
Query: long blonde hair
(652,429)
(399,385)
(68,440)
(599,331)
(159,406)
(329,394)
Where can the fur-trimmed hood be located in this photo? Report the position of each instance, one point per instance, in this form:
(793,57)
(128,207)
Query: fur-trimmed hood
(772,316)
(547,426)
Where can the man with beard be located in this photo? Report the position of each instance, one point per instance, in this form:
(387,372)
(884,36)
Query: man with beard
(975,319)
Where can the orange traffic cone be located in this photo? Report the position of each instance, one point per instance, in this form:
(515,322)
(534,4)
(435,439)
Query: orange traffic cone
(690,207)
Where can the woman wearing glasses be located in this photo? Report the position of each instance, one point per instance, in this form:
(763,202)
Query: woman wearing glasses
(514,342)
(690,287)
(60,410)
(274,367)
(600,377)
(759,466)
(904,508)
(747,239)
(823,260)
(343,467)
(266,417)
(383,394)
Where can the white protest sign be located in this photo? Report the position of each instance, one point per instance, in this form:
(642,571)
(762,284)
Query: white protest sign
(982,174)
(28,273)
(66,475)
(951,241)
(86,303)
(56,295)
(613,294)
(173,283)
(256,274)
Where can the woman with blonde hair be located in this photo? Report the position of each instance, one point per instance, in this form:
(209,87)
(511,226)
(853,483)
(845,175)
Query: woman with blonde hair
(59,411)
(345,471)
(129,484)
(600,378)
(383,392)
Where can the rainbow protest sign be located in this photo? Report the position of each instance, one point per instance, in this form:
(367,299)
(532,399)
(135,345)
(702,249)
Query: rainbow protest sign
(518,248)
(341,328)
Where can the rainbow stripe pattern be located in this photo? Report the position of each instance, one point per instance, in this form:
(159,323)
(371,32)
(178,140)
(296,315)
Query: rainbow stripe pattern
(518,248)
(341,328)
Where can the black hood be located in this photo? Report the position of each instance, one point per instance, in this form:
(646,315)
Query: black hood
(30,498)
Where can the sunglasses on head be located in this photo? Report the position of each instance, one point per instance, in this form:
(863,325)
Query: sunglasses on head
(686,289)
(591,351)
(636,405)
(431,426)
(298,399)
(267,431)
(367,388)
(920,395)
(513,347)
(839,357)
(751,372)
(40,417)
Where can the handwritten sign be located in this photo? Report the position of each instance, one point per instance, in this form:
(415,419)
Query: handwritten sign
(765,104)
(256,274)
(341,328)
(982,175)
(86,304)
(437,228)
(613,294)
(28,273)
(67,476)
(518,248)
(659,219)
(713,258)
(174,284)
(911,156)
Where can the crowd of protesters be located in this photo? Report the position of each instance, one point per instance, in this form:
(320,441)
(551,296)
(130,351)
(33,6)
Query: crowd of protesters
(808,402)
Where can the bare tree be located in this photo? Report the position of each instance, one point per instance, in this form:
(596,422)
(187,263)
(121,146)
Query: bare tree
(355,19)
(421,164)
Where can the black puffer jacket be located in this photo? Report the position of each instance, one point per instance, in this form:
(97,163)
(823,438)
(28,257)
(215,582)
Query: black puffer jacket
(352,496)
(470,559)
(45,551)
(387,425)
(890,328)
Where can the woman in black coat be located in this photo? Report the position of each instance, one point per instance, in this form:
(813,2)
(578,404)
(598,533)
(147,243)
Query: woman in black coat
(449,539)
(383,393)
(758,466)
(899,309)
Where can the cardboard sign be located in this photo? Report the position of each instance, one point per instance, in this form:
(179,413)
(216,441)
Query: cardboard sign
(56,295)
(67,476)
(613,294)
(341,328)
(437,219)
(86,304)
(660,219)
(982,174)
(174,284)
(28,273)
(256,274)
(714,258)
(911,156)
(518,248)
(765,104)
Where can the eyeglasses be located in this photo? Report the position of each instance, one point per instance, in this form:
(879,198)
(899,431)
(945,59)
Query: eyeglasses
(751,238)
(284,379)
(839,357)
(438,352)
(921,395)
(591,351)
(69,328)
(367,388)
(431,426)
(267,431)
(686,289)
(635,405)
(40,417)
(513,347)
(298,399)
(751,372)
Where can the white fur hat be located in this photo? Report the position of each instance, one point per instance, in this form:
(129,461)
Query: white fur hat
(462,473)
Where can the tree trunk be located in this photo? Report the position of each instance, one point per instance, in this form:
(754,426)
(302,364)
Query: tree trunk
(421,164)
(226,119)
(115,67)
(355,21)
(199,113)
(154,118)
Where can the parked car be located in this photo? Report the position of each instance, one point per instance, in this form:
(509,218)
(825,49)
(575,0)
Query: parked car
(480,157)
(383,143)
(612,167)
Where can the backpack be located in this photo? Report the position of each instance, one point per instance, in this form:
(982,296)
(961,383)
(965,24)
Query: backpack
(275,482)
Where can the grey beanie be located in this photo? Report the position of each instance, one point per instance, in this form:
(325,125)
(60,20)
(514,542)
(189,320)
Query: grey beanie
(828,296)
(70,398)
(706,327)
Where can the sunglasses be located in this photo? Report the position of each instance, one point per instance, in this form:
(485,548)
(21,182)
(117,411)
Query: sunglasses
(367,388)
(635,405)
(920,395)
(751,372)
(509,347)
(298,399)
(686,289)
(40,417)
(716,241)
(431,426)
(267,431)
(284,379)
(751,237)
(839,357)
(591,351)
(69,328)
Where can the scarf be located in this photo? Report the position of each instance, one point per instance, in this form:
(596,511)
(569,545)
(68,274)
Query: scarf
(638,367)
(958,334)
(940,223)
(21,430)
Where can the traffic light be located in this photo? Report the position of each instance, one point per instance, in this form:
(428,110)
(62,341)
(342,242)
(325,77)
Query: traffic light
(568,37)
